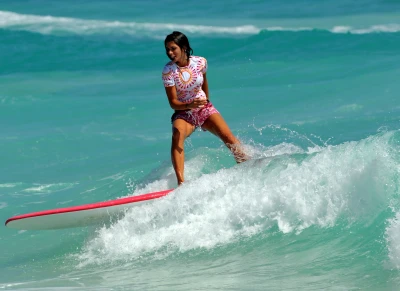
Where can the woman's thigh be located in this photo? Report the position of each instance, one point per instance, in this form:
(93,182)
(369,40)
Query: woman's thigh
(217,125)
(181,129)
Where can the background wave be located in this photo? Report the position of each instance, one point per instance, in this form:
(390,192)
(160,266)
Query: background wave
(65,25)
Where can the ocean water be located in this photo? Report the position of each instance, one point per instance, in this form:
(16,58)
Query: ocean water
(310,87)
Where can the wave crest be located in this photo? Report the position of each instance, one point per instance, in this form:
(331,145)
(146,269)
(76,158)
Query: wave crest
(291,192)
(66,25)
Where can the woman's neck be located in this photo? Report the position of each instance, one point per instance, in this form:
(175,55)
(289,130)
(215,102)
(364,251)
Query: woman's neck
(184,62)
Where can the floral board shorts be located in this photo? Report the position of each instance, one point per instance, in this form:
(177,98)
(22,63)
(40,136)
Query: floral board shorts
(196,116)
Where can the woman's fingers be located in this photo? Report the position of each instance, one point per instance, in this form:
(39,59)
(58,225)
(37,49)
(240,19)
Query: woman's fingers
(198,103)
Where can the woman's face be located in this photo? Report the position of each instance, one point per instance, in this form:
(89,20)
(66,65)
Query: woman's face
(175,53)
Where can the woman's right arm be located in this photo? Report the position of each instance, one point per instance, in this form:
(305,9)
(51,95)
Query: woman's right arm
(178,105)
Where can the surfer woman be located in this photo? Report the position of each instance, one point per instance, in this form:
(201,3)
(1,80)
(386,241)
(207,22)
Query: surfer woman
(186,86)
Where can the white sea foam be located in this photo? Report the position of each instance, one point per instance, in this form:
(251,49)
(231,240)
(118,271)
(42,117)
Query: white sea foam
(63,25)
(50,24)
(393,241)
(387,28)
(8,185)
(349,180)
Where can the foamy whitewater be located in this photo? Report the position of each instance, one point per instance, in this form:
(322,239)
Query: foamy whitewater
(312,91)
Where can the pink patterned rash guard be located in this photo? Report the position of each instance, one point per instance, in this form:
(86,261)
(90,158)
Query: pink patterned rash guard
(187,80)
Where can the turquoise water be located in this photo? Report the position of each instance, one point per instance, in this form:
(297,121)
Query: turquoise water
(310,88)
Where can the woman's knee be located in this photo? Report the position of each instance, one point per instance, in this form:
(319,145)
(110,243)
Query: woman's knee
(229,139)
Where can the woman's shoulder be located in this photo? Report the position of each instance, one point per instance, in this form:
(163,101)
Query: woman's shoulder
(198,59)
(169,64)
(200,63)
(169,67)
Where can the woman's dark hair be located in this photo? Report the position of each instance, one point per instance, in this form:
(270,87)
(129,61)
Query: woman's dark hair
(181,40)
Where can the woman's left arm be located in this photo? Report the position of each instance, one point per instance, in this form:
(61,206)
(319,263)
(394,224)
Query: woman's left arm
(205,86)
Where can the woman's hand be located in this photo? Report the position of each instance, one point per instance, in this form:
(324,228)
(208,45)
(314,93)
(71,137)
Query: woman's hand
(178,105)
(197,103)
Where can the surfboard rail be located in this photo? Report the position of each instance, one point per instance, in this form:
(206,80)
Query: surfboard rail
(92,212)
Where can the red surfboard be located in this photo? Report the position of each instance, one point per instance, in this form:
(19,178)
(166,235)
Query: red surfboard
(81,215)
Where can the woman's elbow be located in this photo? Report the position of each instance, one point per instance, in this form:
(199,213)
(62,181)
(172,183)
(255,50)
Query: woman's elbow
(172,105)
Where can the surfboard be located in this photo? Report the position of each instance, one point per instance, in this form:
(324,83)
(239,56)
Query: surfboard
(81,215)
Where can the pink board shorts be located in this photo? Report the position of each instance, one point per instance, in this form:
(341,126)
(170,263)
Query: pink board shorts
(196,116)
